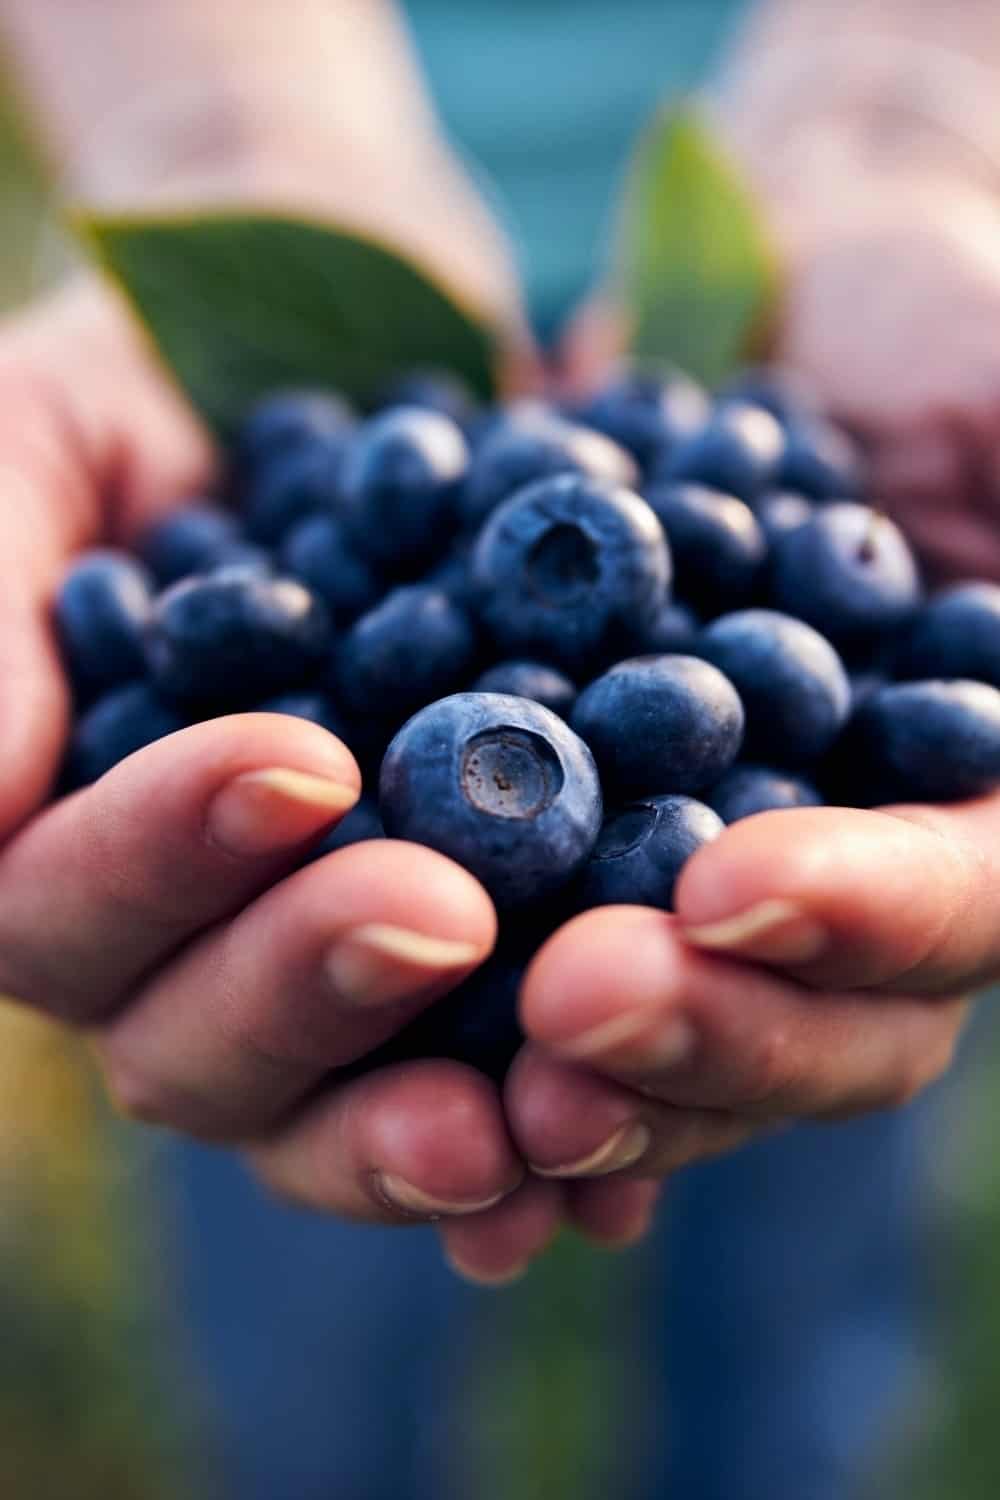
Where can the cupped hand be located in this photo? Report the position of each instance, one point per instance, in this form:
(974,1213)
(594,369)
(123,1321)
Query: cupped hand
(163,909)
(814,969)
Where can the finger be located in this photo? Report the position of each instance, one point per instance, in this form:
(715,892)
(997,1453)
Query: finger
(407,1144)
(315,973)
(572,1124)
(614,1212)
(619,991)
(113,880)
(495,1248)
(906,900)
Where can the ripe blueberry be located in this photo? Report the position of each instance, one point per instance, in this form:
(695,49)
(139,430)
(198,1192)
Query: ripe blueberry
(414,646)
(746,790)
(285,421)
(780,511)
(647,410)
(301,482)
(515,454)
(116,726)
(660,724)
(101,611)
(231,639)
(642,850)
(315,707)
(792,682)
(193,540)
(401,483)
(717,545)
(925,741)
(530,679)
(567,569)
(500,784)
(956,634)
(433,390)
(318,554)
(820,461)
(848,571)
(737,451)
(672,633)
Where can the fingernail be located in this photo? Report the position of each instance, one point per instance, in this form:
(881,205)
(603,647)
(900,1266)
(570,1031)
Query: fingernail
(773,931)
(622,1150)
(402,1195)
(378,963)
(263,812)
(494,1279)
(658,1043)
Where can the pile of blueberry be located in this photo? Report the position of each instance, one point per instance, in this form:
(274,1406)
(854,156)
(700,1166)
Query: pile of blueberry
(567,645)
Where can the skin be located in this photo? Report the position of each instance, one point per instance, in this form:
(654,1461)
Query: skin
(815,963)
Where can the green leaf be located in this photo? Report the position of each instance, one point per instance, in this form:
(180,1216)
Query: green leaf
(697,275)
(239,304)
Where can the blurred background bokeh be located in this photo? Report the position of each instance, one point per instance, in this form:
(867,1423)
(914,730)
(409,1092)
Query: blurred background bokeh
(100,1395)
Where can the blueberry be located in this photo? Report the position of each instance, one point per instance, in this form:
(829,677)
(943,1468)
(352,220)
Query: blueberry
(302,482)
(318,554)
(849,571)
(787,395)
(516,454)
(956,634)
(820,461)
(101,611)
(718,548)
(434,390)
(361,824)
(232,639)
(117,725)
(415,646)
(530,679)
(401,483)
(738,451)
(315,707)
(792,682)
(288,420)
(477,1024)
(660,724)
(863,684)
(642,850)
(646,410)
(925,741)
(192,540)
(453,577)
(245,558)
(672,633)
(746,790)
(568,568)
(781,511)
(500,784)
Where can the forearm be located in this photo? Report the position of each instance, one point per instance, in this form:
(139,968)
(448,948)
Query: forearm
(830,97)
(119,87)
(310,105)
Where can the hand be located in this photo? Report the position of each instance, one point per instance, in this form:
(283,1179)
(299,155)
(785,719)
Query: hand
(161,909)
(815,962)
(812,970)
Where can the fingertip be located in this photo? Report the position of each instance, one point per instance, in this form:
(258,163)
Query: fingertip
(616,1213)
(496,1248)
